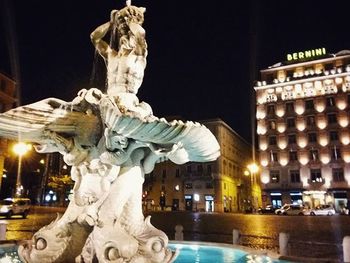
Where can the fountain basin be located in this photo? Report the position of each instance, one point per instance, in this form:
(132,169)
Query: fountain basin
(189,252)
(207,252)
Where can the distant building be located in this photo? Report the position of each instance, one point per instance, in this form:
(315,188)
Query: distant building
(219,186)
(7,102)
(303,108)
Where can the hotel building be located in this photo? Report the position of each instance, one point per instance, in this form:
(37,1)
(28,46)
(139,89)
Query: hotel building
(220,186)
(302,112)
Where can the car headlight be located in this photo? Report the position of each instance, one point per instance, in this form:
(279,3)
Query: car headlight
(4,209)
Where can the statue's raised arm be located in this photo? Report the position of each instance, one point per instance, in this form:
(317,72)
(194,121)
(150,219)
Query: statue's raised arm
(127,61)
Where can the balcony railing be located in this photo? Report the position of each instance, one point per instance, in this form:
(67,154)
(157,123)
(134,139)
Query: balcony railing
(317,181)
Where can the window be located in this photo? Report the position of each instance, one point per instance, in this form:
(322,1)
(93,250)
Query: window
(314,155)
(294,176)
(272,140)
(189,169)
(335,153)
(312,137)
(209,185)
(292,139)
(328,66)
(198,186)
(290,107)
(330,102)
(274,176)
(338,174)
(333,136)
(269,77)
(177,174)
(209,169)
(272,125)
(274,157)
(200,169)
(290,122)
(316,175)
(164,174)
(293,156)
(270,109)
(332,118)
(310,121)
(188,186)
(309,104)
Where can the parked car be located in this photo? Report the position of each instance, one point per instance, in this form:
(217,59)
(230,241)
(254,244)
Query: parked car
(269,209)
(291,209)
(322,210)
(15,206)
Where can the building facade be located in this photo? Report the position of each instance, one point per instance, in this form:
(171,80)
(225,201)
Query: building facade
(302,115)
(219,186)
(7,102)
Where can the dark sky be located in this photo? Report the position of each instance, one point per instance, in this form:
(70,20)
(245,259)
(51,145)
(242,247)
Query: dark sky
(203,55)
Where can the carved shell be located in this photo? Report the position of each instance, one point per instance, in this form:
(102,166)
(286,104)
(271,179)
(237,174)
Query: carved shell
(198,141)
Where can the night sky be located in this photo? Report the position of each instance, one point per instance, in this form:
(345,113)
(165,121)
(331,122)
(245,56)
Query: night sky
(203,55)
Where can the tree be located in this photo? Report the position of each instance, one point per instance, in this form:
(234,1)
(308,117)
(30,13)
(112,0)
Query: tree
(61,184)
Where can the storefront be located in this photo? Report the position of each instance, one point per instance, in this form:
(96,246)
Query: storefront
(314,199)
(296,197)
(340,200)
(188,203)
(209,203)
(276,199)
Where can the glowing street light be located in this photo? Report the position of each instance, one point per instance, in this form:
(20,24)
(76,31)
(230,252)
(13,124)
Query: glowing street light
(20,149)
(253,168)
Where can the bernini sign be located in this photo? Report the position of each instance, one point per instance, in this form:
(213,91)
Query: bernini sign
(306,54)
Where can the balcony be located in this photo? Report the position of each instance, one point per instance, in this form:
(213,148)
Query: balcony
(316,183)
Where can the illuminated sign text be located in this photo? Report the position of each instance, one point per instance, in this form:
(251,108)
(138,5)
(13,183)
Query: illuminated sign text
(306,54)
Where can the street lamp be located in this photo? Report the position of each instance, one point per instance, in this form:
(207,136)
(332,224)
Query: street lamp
(20,149)
(252,170)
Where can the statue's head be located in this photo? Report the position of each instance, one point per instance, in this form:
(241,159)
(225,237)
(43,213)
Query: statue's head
(129,14)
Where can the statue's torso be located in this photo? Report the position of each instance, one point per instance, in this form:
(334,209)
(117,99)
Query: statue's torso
(125,74)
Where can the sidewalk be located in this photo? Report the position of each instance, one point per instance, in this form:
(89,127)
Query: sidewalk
(47,209)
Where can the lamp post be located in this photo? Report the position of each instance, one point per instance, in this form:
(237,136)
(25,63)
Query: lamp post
(252,170)
(20,149)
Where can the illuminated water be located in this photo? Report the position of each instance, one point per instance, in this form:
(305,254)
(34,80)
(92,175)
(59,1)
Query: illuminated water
(189,253)
(217,254)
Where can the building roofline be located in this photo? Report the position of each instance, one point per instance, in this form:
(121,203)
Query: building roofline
(219,120)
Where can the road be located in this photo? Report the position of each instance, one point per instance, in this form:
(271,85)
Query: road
(319,236)
(19,229)
(310,236)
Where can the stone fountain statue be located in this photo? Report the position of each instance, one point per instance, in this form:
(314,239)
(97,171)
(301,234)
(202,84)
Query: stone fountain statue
(111,140)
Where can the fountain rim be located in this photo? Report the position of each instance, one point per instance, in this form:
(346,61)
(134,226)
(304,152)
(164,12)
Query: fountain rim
(249,250)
